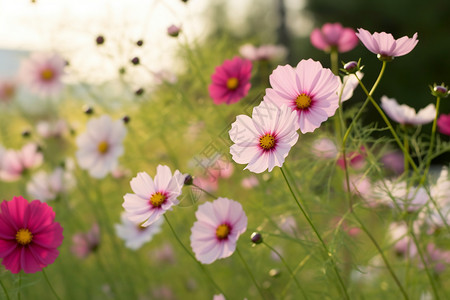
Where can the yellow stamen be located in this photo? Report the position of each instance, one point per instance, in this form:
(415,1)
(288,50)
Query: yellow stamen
(232,83)
(103,147)
(222,231)
(303,101)
(267,141)
(24,236)
(47,74)
(157,199)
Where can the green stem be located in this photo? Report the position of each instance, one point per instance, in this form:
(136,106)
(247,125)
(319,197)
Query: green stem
(334,57)
(250,273)
(204,191)
(5,291)
(308,219)
(406,145)
(193,257)
(50,285)
(386,262)
(288,268)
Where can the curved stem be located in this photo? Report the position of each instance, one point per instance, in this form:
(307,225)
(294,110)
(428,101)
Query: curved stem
(50,285)
(430,149)
(250,273)
(311,224)
(193,257)
(287,267)
(5,291)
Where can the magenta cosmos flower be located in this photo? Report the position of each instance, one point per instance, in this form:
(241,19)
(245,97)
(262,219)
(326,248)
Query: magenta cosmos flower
(152,198)
(443,124)
(333,35)
(231,81)
(385,46)
(264,140)
(29,236)
(217,229)
(308,89)
(42,73)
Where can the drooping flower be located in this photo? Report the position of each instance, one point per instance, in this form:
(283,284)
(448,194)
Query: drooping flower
(231,81)
(135,235)
(406,115)
(100,146)
(42,73)
(263,52)
(15,163)
(217,229)
(308,89)
(152,198)
(7,89)
(45,186)
(264,140)
(29,235)
(443,124)
(84,243)
(333,35)
(385,46)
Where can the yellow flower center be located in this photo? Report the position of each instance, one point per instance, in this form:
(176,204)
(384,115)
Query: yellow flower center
(157,199)
(103,147)
(47,74)
(24,236)
(267,141)
(232,83)
(303,101)
(222,231)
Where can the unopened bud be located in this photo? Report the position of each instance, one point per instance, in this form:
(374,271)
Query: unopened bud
(139,91)
(88,110)
(135,61)
(126,119)
(140,43)
(100,40)
(189,180)
(256,238)
(440,91)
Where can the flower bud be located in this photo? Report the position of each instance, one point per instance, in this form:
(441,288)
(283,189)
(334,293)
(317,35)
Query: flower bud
(173,30)
(256,238)
(351,67)
(100,40)
(135,61)
(126,119)
(139,91)
(189,180)
(88,110)
(140,43)
(274,272)
(440,91)
(26,133)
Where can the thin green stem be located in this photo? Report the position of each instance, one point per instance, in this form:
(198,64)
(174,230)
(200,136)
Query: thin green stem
(20,286)
(250,273)
(5,291)
(287,267)
(334,58)
(193,257)
(406,145)
(204,191)
(313,227)
(50,285)
(386,262)
(430,149)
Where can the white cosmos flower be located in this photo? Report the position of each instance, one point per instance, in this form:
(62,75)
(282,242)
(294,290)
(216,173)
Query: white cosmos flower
(45,186)
(406,115)
(134,234)
(100,146)
(348,85)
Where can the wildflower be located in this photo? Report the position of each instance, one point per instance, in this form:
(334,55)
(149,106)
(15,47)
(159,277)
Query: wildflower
(100,146)
(264,140)
(398,194)
(333,35)
(7,90)
(394,161)
(85,243)
(403,246)
(173,30)
(263,52)
(359,185)
(385,46)
(219,224)
(324,148)
(438,258)
(47,187)
(152,198)
(308,89)
(348,85)
(42,73)
(443,124)
(135,235)
(231,81)
(249,182)
(48,129)
(29,235)
(355,159)
(406,115)
(16,163)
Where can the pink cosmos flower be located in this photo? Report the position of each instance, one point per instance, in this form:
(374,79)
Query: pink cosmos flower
(207,183)
(219,224)
(406,115)
(134,235)
(42,73)
(29,236)
(394,161)
(84,244)
(101,145)
(308,89)
(348,85)
(355,159)
(324,148)
(7,89)
(231,81)
(443,124)
(264,140)
(48,129)
(152,198)
(440,259)
(404,246)
(15,163)
(333,35)
(249,182)
(385,46)
(45,186)
(263,52)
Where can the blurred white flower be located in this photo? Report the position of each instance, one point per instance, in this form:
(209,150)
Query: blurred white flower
(348,85)
(45,186)
(263,52)
(48,129)
(406,115)
(134,234)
